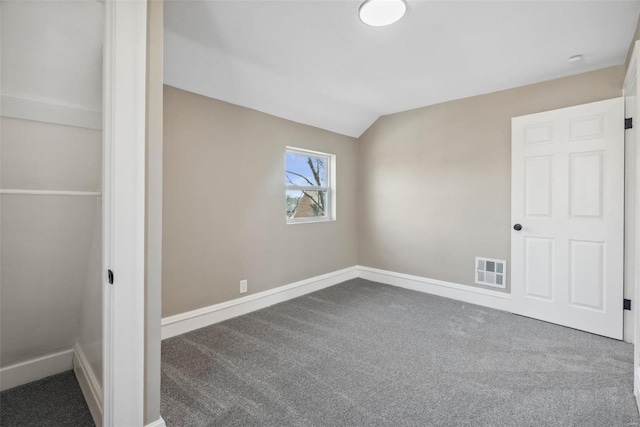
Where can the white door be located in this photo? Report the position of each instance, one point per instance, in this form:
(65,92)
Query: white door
(567,204)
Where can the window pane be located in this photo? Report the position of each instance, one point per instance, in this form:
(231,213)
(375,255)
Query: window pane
(306,170)
(306,204)
(491,266)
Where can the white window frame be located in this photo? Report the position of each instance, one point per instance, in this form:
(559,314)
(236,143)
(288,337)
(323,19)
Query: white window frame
(330,208)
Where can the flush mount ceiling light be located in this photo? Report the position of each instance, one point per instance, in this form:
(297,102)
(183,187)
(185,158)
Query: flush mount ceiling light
(379,13)
(576,59)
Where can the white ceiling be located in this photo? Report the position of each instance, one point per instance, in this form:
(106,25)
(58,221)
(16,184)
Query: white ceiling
(314,62)
(52,52)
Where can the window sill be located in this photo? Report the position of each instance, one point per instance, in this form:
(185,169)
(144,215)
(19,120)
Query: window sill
(309,221)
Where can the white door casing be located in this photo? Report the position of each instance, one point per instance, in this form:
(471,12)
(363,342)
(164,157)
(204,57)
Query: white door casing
(567,192)
(630,207)
(630,88)
(124,211)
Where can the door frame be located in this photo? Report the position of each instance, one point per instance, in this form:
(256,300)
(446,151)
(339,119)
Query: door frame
(631,81)
(123,211)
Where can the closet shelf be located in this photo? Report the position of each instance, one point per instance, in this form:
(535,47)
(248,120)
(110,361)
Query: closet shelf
(50,193)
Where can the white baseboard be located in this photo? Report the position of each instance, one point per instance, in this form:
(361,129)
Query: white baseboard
(157,423)
(196,319)
(636,387)
(88,384)
(48,112)
(627,325)
(35,369)
(470,294)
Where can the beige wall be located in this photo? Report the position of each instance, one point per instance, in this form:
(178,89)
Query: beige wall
(224,205)
(434,183)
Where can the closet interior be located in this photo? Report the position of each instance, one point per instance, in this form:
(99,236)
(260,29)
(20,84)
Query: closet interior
(50,193)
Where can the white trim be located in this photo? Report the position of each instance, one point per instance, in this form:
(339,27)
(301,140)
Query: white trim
(51,193)
(309,220)
(196,319)
(630,205)
(88,384)
(125,54)
(35,369)
(630,78)
(307,152)
(631,81)
(157,423)
(329,189)
(47,112)
(636,387)
(470,294)
(307,188)
(153,307)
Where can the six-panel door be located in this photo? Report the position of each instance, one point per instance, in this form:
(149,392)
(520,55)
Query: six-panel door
(568,194)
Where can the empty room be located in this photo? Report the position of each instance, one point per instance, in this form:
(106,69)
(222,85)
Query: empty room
(319,213)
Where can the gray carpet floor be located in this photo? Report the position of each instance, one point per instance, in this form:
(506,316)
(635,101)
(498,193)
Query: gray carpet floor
(365,354)
(51,402)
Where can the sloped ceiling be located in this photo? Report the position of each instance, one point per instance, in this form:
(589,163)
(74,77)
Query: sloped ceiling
(314,62)
(52,52)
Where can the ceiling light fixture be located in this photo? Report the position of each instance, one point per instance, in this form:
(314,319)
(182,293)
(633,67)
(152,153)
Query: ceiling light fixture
(576,59)
(379,13)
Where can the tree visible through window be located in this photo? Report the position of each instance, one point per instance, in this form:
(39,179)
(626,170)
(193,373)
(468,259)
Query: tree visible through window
(307,185)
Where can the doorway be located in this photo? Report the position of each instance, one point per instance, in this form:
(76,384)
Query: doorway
(73,212)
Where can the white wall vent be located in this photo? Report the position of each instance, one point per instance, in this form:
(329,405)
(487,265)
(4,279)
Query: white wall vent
(491,272)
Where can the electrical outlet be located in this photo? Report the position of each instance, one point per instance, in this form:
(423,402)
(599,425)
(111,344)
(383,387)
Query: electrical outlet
(243,286)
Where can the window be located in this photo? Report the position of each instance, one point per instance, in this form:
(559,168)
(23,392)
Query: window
(308,179)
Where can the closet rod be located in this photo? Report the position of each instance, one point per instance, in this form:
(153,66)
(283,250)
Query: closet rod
(51,193)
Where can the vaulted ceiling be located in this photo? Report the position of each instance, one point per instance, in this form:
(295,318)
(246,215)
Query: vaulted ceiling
(52,52)
(314,62)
